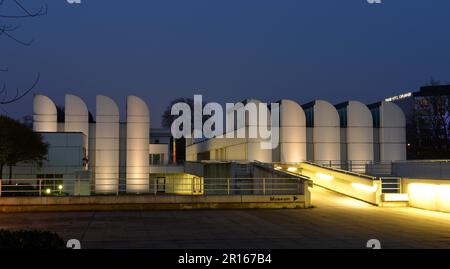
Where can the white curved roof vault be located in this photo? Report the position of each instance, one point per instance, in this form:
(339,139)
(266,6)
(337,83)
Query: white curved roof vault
(325,114)
(326,132)
(292,132)
(137,107)
(391,115)
(137,152)
(107,145)
(392,132)
(76,116)
(106,106)
(358,114)
(74,105)
(291,114)
(43,105)
(359,133)
(44,114)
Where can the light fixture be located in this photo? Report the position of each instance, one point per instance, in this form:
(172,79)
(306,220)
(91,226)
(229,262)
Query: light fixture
(364,187)
(60,187)
(324,176)
(395,197)
(48,191)
(278,167)
(292,169)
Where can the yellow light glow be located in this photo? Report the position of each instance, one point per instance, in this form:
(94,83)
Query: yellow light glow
(48,191)
(278,168)
(444,194)
(363,187)
(430,196)
(292,169)
(60,187)
(324,176)
(395,197)
(423,190)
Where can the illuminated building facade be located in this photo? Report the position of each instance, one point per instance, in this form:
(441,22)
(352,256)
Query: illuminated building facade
(342,135)
(115,155)
(110,156)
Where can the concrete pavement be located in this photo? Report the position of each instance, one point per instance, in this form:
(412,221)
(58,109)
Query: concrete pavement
(336,221)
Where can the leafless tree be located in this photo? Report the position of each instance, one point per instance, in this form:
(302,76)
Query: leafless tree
(430,130)
(8,30)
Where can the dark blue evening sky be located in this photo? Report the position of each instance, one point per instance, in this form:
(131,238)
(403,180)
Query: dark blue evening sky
(229,50)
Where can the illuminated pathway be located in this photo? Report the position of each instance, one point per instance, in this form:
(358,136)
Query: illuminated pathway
(335,222)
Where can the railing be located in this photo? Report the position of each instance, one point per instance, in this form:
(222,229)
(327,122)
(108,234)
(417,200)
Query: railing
(155,186)
(344,171)
(425,169)
(407,168)
(391,185)
(373,168)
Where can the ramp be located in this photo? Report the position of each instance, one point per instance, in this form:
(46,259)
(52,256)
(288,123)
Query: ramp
(362,187)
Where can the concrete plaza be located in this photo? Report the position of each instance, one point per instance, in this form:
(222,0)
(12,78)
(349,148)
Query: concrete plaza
(335,222)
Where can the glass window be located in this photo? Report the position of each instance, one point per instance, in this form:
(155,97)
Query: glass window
(376,117)
(309,117)
(343,117)
(156,159)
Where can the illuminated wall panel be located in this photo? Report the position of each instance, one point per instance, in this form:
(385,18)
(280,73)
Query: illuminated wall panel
(255,151)
(292,132)
(138,129)
(76,117)
(44,114)
(107,146)
(326,132)
(392,132)
(428,193)
(359,132)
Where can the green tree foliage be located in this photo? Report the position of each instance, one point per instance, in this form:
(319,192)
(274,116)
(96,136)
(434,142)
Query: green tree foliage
(18,143)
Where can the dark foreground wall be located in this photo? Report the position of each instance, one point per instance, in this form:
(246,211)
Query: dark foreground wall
(150,202)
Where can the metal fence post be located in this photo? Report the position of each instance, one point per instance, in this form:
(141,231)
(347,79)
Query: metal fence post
(228,186)
(40,187)
(155,185)
(264,186)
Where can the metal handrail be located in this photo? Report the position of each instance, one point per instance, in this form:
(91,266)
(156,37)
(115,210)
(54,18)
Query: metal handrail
(229,186)
(341,170)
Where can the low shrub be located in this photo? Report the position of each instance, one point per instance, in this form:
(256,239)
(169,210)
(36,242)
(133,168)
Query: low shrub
(30,240)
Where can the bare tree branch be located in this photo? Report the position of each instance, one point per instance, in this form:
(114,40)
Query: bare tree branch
(3,90)
(4,110)
(7,31)
(41,12)
(19,94)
